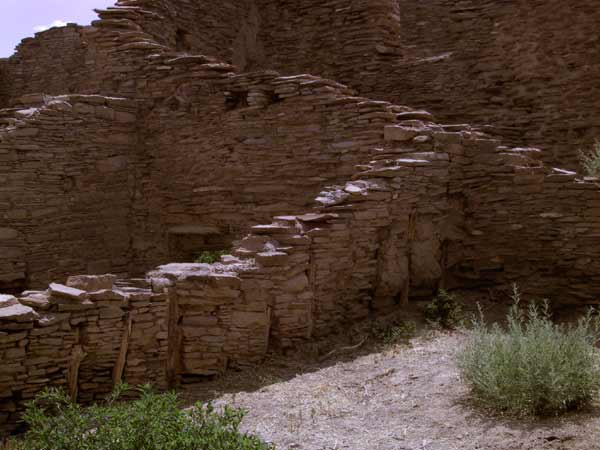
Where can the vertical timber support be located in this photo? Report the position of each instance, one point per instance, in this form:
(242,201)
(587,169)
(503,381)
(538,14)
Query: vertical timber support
(122,359)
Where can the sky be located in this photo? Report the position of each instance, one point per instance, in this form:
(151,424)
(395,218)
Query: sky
(23,18)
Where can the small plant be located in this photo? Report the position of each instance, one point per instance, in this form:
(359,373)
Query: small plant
(444,310)
(152,422)
(210,257)
(396,334)
(590,160)
(534,367)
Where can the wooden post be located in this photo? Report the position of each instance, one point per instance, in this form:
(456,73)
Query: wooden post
(122,359)
(73,374)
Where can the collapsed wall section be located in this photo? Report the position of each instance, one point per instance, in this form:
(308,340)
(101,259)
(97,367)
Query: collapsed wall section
(267,145)
(432,207)
(85,338)
(68,178)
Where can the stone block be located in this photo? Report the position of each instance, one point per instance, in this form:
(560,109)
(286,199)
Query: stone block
(91,283)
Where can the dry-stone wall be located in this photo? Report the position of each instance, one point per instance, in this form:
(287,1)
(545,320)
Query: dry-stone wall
(255,156)
(528,68)
(518,66)
(416,216)
(67,178)
(4,83)
(226,29)
(54,62)
(349,206)
(83,337)
(337,39)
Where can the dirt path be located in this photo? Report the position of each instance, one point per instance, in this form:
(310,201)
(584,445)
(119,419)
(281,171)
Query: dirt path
(407,398)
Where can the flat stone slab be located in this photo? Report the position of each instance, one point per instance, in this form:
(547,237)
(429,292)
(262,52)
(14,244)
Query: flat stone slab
(312,217)
(37,300)
(6,301)
(65,292)
(18,313)
(92,283)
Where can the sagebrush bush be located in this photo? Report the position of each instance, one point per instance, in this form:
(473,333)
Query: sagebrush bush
(152,422)
(590,160)
(444,310)
(534,366)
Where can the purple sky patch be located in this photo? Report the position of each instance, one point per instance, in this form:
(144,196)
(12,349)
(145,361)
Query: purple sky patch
(23,18)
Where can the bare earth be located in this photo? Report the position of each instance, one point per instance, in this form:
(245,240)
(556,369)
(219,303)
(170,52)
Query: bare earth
(408,397)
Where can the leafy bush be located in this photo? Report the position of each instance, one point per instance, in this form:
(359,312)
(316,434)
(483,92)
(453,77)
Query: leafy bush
(152,422)
(590,160)
(210,257)
(444,310)
(534,367)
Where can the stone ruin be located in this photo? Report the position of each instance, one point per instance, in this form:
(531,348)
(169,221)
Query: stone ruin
(167,128)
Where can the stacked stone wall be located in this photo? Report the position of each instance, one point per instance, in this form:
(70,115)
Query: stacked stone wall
(54,62)
(255,156)
(364,205)
(530,225)
(67,177)
(226,29)
(520,66)
(415,216)
(83,338)
(334,39)
(4,83)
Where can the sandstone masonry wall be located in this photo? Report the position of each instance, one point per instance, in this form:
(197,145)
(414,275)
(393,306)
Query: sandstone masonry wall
(527,68)
(417,215)
(226,29)
(67,177)
(4,83)
(54,62)
(334,39)
(530,225)
(254,157)
(84,337)
(361,205)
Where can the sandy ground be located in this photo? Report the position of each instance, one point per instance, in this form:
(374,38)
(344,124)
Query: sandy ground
(406,397)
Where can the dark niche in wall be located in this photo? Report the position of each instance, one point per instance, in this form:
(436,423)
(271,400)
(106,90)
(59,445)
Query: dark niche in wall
(183,41)
(187,242)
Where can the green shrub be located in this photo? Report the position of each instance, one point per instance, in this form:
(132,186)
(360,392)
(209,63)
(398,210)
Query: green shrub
(152,422)
(534,366)
(444,310)
(210,257)
(590,160)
